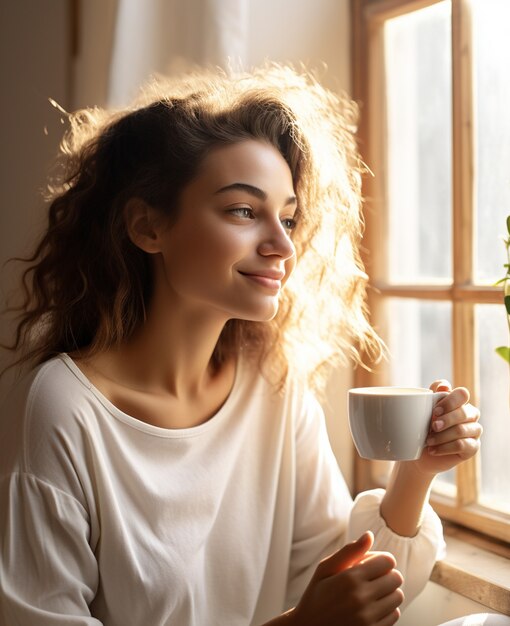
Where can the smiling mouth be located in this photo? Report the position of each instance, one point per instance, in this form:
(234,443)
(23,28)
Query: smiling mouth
(268,282)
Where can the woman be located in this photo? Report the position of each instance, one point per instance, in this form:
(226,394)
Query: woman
(166,462)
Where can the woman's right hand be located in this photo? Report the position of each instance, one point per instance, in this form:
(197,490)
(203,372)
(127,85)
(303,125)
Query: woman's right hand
(354,587)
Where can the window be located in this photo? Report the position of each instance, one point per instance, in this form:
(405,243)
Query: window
(431,80)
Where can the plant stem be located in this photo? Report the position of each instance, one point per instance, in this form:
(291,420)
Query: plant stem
(505,288)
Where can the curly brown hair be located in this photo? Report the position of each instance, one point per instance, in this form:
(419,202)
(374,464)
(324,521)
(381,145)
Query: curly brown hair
(87,286)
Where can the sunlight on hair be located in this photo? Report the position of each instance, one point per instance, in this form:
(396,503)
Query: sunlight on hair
(322,318)
(57,106)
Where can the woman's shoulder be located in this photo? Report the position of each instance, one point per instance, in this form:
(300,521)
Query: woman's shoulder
(43,429)
(44,402)
(46,387)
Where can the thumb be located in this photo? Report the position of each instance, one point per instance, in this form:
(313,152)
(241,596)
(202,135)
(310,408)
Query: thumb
(441,385)
(349,555)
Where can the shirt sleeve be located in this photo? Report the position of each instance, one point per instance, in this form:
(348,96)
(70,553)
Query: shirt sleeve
(322,502)
(415,556)
(48,571)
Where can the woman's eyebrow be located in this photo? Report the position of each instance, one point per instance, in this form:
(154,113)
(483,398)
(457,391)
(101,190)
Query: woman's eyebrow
(254,191)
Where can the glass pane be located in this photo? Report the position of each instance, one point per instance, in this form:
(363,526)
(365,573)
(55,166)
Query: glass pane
(418,75)
(419,340)
(494,405)
(492,60)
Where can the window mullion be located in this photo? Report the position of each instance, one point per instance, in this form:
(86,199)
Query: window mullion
(463,142)
(464,327)
(465,374)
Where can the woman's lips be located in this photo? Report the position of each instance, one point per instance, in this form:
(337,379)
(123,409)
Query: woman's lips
(266,278)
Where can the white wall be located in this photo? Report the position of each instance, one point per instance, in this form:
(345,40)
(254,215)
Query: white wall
(315,33)
(34,65)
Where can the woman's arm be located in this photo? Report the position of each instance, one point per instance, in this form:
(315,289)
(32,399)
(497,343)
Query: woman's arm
(455,437)
(48,570)
(406,495)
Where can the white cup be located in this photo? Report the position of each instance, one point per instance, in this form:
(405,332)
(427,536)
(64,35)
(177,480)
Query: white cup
(391,423)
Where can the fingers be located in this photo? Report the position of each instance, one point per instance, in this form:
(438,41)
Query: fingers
(463,414)
(457,398)
(453,409)
(454,427)
(465,444)
(387,584)
(390,619)
(353,586)
(385,607)
(348,556)
(441,385)
(455,431)
(378,570)
(376,565)
(381,596)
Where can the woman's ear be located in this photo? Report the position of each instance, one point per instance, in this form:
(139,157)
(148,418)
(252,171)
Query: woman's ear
(143,225)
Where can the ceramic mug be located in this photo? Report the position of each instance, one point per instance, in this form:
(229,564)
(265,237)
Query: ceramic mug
(391,423)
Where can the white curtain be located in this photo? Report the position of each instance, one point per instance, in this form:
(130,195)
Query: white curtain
(168,36)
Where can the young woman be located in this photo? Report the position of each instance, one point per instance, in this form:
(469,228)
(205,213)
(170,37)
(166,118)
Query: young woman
(166,460)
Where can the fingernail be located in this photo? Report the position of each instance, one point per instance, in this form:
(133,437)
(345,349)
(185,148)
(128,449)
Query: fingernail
(432,451)
(437,425)
(438,410)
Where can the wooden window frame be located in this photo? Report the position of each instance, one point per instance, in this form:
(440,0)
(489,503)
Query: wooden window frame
(368,17)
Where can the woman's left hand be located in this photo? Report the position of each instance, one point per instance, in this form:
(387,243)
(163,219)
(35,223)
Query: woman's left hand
(455,431)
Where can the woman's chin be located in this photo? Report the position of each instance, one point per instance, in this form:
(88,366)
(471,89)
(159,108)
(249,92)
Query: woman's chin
(265,314)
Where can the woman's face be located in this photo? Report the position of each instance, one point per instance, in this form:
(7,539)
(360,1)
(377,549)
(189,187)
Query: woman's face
(230,251)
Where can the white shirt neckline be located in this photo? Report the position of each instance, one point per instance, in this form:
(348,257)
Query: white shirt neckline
(150,429)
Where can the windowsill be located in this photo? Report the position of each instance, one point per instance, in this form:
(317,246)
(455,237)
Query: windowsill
(475,568)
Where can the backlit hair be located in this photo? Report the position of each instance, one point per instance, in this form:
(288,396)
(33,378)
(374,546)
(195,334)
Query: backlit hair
(87,285)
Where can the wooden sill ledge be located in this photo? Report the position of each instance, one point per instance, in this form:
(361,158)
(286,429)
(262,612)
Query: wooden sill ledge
(475,568)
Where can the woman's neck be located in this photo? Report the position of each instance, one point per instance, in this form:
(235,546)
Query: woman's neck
(170,353)
(164,375)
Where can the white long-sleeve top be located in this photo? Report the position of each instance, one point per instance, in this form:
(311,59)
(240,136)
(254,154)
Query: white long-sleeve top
(105,519)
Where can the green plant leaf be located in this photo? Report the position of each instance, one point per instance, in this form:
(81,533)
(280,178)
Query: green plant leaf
(507,304)
(504,353)
(508,224)
(501,280)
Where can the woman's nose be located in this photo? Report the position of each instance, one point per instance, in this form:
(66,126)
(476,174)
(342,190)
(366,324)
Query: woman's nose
(277,242)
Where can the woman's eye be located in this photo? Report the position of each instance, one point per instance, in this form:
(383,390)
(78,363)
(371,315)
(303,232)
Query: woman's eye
(243,211)
(289,223)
